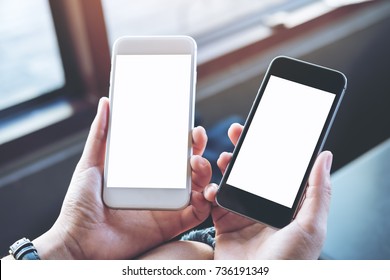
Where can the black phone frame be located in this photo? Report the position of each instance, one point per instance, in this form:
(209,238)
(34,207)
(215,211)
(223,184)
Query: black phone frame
(259,208)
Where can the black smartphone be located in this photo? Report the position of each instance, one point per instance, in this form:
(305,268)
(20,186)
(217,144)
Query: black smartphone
(282,136)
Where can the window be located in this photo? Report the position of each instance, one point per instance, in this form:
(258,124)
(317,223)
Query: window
(30,59)
(51,73)
(213,23)
(236,39)
(210,22)
(150,17)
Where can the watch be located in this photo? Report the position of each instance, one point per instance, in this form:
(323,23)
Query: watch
(23,249)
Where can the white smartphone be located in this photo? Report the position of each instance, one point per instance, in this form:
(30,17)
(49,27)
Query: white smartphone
(283,134)
(149,143)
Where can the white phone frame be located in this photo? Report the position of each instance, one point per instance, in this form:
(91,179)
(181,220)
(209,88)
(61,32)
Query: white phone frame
(152,198)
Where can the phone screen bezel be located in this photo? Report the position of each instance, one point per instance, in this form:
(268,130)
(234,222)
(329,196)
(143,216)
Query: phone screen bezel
(258,208)
(152,198)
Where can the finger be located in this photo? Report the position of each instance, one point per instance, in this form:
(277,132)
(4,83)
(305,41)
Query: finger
(94,150)
(223,161)
(315,207)
(233,222)
(200,208)
(320,173)
(234,132)
(201,172)
(199,140)
(210,192)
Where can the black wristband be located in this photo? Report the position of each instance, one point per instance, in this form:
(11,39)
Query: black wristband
(23,249)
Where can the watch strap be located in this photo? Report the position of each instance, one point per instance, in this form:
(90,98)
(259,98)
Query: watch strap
(23,249)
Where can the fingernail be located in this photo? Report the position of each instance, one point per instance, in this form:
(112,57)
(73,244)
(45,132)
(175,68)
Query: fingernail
(329,161)
(203,131)
(100,104)
(210,187)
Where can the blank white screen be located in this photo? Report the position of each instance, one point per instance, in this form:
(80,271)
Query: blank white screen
(280,141)
(150,122)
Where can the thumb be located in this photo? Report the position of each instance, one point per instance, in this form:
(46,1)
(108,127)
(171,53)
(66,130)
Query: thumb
(95,146)
(315,208)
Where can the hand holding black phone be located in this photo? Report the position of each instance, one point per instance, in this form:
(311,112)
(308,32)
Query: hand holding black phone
(283,134)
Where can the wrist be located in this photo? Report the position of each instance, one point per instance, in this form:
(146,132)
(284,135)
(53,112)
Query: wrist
(53,245)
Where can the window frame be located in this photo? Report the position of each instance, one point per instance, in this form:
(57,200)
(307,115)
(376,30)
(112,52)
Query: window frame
(79,26)
(280,35)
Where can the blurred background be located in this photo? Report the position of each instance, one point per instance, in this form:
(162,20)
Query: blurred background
(55,64)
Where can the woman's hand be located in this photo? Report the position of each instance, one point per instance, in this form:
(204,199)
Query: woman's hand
(240,238)
(87,229)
